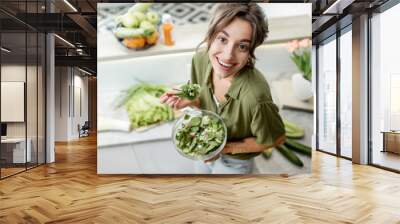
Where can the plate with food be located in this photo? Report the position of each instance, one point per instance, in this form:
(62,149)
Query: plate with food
(138,28)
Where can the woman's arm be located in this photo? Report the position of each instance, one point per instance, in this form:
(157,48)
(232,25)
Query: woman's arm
(248,145)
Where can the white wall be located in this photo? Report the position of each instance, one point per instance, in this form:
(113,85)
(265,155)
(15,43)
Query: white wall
(80,109)
(70,83)
(61,103)
(277,10)
(12,101)
(82,83)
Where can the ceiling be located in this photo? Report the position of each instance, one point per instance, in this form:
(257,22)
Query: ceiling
(76,22)
(332,15)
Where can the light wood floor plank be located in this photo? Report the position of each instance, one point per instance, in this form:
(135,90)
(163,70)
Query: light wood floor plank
(70,191)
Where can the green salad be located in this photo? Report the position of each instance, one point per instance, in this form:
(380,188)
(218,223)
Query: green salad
(143,105)
(199,136)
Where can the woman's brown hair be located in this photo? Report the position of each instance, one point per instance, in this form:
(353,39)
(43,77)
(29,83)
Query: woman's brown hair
(225,13)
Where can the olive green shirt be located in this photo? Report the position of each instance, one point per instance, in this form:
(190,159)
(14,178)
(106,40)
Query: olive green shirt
(248,110)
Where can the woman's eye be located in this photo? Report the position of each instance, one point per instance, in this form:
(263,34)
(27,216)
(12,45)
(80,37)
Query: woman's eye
(222,40)
(243,47)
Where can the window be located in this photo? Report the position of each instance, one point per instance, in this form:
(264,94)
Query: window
(327,96)
(346,92)
(22,75)
(385,89)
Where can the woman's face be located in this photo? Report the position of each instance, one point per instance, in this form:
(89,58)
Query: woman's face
(229,52)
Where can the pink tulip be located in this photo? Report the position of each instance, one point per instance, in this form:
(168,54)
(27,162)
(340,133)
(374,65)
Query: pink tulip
(305,43)
(295,44)
(292,45)
(290,48)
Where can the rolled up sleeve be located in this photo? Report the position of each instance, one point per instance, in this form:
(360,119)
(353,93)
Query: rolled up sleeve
(267,125)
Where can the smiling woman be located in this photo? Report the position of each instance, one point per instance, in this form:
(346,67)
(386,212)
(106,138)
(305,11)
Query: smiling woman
(229,52)
(233,88)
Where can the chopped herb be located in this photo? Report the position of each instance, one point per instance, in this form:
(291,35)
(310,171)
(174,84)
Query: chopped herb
(189,91)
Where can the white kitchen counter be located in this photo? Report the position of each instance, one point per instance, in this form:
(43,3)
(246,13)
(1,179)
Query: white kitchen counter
(187,37)
(153,152)
(148,152)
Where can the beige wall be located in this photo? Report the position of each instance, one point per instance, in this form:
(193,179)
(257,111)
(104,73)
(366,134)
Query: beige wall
(71,102)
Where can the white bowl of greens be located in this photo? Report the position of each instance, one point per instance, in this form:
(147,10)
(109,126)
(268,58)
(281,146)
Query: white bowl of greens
(199,134)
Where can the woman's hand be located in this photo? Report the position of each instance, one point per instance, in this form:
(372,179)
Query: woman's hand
(174,101)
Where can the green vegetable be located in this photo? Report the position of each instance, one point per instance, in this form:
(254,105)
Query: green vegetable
(199,135)
(143,105)
(298,147)
(153,17)
(291,156)
(292,130)
(267,153)
(140,7)
(135,24)
(122,32)
(140,16)
(148,27)
(129,21)
(189,91)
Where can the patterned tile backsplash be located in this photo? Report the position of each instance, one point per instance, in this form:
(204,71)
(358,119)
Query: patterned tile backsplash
(182,13)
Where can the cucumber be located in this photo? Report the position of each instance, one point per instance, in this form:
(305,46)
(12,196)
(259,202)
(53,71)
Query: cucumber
(294,135)
(289,155)
(140,7)
(291,125)
(298,147)
(292,130)
(267,153)
(122,32)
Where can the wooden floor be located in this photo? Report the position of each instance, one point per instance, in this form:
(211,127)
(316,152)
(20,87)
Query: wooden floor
(387,159)
(70,191)
(10,171)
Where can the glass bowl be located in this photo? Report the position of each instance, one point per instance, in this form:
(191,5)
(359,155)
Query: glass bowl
(206,147)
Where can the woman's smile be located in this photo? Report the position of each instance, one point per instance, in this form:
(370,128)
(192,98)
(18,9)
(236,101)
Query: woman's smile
(225,65)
